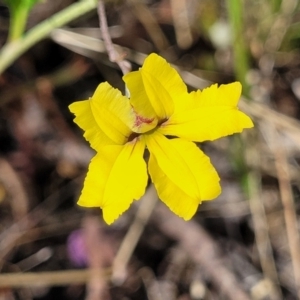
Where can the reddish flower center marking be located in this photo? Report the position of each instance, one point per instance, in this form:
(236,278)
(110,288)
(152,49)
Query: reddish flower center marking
(139,120)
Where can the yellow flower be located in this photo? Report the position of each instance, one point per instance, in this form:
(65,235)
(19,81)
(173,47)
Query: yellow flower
(120,128)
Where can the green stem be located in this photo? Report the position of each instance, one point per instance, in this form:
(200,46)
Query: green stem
(18,23)
(241,62)
(276,4)
(12,50)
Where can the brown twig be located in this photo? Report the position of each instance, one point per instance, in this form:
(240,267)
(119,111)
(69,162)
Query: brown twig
(112,53)
(258,213)
(287,200)
(99,254)
(181,23)
(57,278)
(133,235)
(260,226)
(14,186)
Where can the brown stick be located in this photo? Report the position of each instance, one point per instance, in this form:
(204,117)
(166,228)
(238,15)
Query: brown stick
(287,199)
(99,254)
(46,278)
(112,53)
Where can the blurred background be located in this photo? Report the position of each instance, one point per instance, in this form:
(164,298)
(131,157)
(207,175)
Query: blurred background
(243,245)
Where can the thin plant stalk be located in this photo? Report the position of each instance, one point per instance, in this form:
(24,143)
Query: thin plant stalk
(12,50)
(18,23)
(113,55)
(251,180)
(241,60)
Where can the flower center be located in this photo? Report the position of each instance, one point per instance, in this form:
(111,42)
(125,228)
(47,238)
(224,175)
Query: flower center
(139,121)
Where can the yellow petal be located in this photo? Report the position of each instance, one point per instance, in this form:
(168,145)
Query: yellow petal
(207,123)
(117,175)
(155,88)
(158,95)
(106,118)
(112,112)
(166,76)
(173,196)
(225,94)
(213,115)
(186,171)
(140,102)
(86,121)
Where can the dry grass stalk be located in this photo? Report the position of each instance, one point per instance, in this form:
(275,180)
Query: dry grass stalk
(287,200)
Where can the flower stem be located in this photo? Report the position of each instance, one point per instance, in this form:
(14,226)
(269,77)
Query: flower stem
(113,55)
(18,23)
(12,50)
